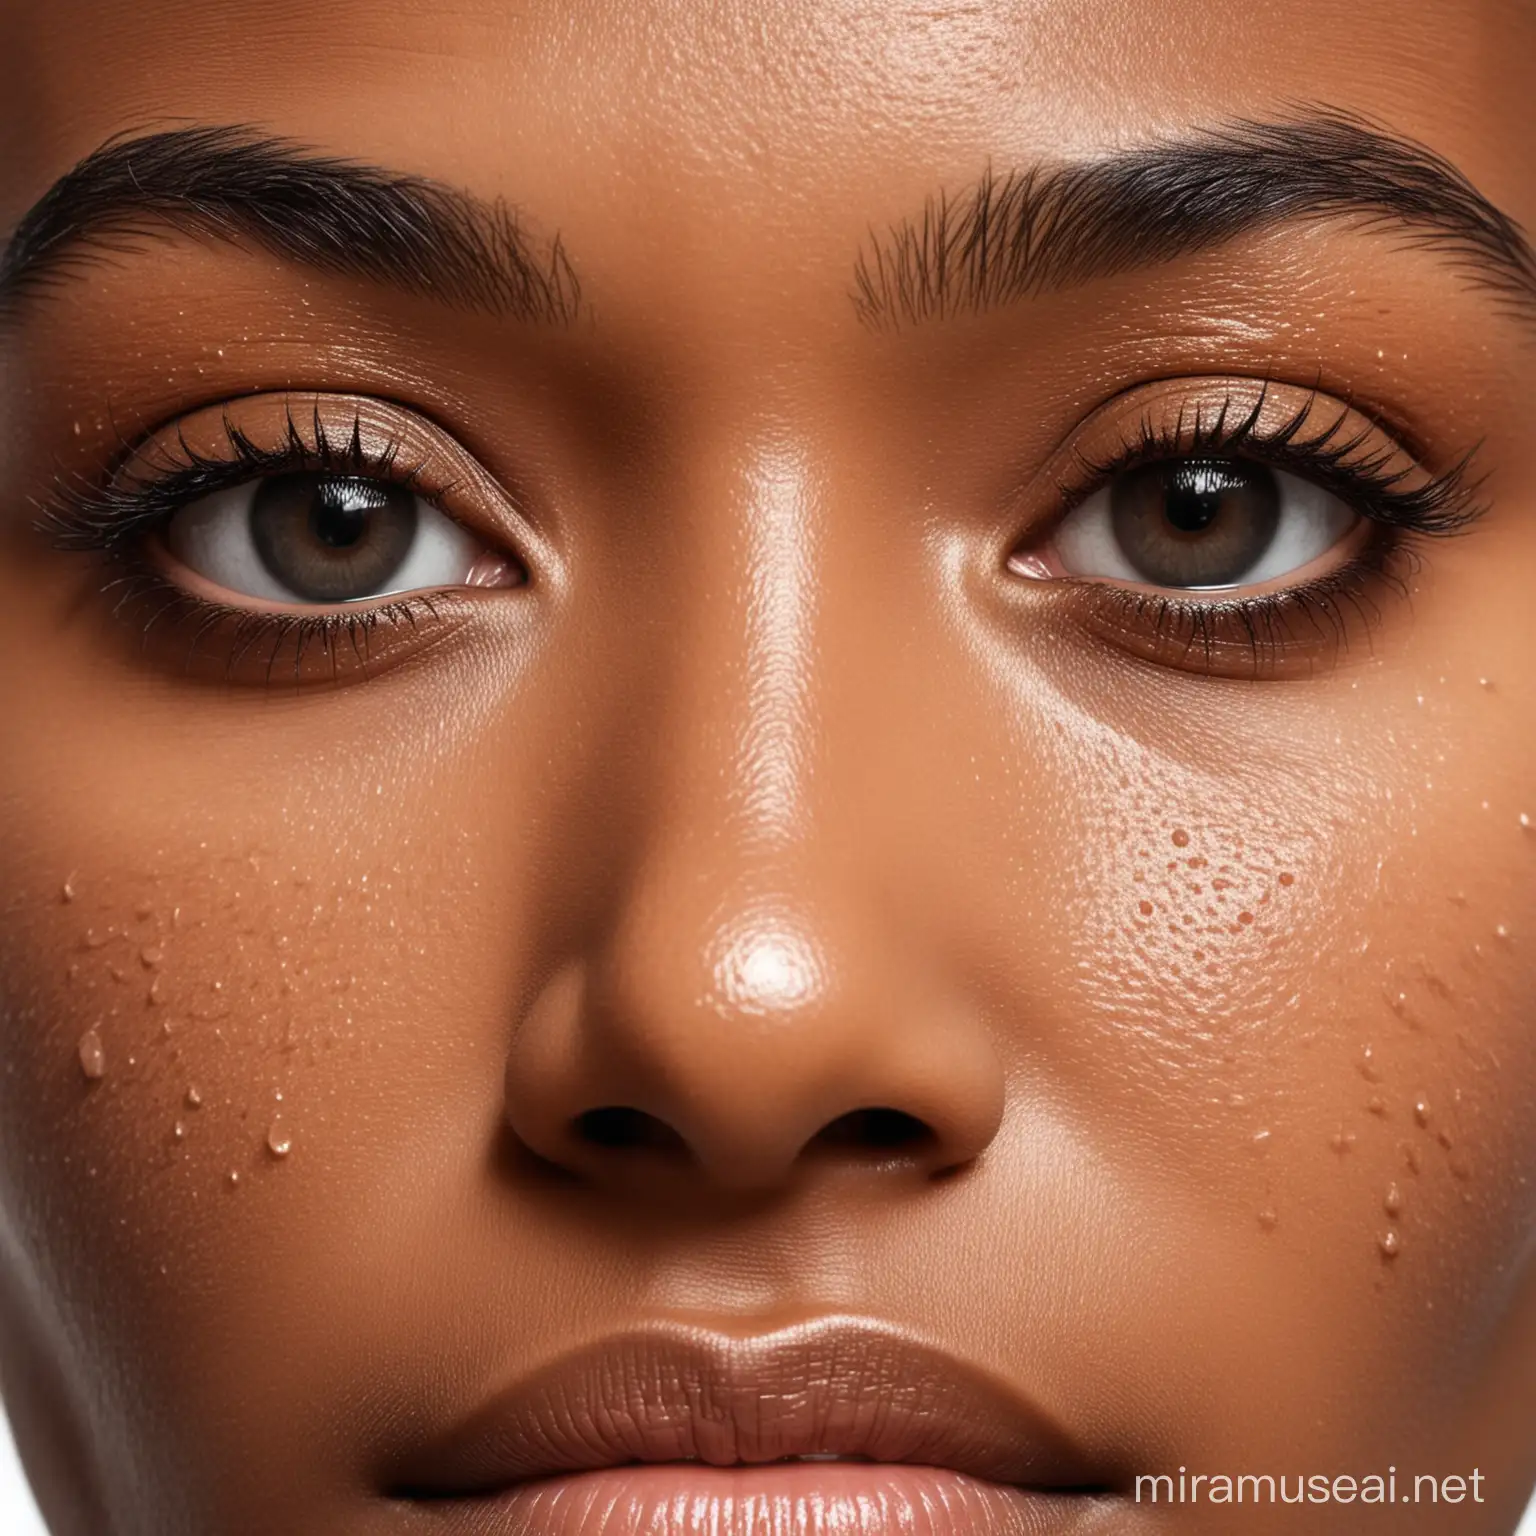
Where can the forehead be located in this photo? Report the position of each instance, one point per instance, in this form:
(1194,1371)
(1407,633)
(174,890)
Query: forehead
(655,110)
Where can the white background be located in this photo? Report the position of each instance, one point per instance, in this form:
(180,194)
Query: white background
(18,1515)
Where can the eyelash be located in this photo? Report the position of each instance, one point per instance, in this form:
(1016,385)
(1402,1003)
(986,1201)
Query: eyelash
(1268,626)
(111,521)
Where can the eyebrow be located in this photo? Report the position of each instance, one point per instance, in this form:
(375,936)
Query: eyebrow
(339,216)
(1048,228)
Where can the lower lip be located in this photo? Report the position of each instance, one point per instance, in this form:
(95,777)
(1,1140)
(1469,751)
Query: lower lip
(778,1499)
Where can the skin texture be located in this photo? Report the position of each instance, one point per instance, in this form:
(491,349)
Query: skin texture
(770,798)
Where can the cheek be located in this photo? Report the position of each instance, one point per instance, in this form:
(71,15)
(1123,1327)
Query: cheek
(1305,996)
(190,1026)
(172,1024)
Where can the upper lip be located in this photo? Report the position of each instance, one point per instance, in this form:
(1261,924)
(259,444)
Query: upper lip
(837,1386)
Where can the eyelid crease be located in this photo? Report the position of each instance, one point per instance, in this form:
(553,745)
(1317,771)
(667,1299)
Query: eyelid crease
(81,514)
(1384,483)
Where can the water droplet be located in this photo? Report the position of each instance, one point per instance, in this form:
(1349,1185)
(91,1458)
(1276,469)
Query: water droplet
(194,1099)
(67,890)
(1367,1067)
(1378,1107)
(1181,838)
(1485,682)
(1268,1220)
(93,1058)
(178,1131)
(1444,1138)
(1411,1157)
(233,1176)
(1421,1111)
(1392,1201)
(152,997)
(279,1139)
(150,957)
(1460,1168)
(1342,1141)
(1390,1245)
(1260,1138)
(1501,933)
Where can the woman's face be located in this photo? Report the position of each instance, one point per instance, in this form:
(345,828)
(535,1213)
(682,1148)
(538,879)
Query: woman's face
(767,729)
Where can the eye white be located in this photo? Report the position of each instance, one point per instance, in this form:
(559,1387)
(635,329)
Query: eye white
(1312,521)
(212,536)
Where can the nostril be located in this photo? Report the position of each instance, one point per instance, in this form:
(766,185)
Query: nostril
(875,1130)
(619,1126)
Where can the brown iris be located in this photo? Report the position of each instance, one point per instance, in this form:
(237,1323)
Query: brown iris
(1195,522)
(331,539)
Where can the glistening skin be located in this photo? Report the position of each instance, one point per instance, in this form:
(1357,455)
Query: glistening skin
(765,764)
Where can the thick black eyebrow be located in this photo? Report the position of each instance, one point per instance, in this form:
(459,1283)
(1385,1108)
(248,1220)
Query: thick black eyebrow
(1047,228)
(340,216)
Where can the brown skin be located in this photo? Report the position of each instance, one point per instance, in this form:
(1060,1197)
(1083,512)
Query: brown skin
(766,717)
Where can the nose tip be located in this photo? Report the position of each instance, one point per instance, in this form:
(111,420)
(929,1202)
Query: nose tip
(745,1063)
(766,965)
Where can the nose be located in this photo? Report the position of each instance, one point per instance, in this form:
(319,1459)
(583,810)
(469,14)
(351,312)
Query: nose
(741,1008)
(740,1047)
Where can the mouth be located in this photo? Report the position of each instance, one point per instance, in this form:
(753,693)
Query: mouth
(835,1428)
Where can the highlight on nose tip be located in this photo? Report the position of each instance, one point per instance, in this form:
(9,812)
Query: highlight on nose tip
(766,964)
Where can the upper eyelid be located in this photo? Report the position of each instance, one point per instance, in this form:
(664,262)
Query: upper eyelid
(248,458)
(99,510)
(1442,503)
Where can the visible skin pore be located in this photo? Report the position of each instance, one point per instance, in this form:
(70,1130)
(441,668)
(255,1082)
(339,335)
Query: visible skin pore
(771,797)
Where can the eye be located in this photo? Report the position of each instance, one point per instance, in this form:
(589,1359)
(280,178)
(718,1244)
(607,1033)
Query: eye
(326,538)
(1195,524)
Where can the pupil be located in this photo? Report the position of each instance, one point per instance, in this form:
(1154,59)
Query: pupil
(341,511)
(1195,497)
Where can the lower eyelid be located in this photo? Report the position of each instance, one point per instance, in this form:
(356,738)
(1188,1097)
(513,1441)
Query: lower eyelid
(1298,630)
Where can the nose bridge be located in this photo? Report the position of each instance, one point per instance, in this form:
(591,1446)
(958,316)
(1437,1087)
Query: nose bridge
(756,671)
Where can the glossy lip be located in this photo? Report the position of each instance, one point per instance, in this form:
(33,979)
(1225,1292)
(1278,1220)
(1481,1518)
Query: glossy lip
(839,1387)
